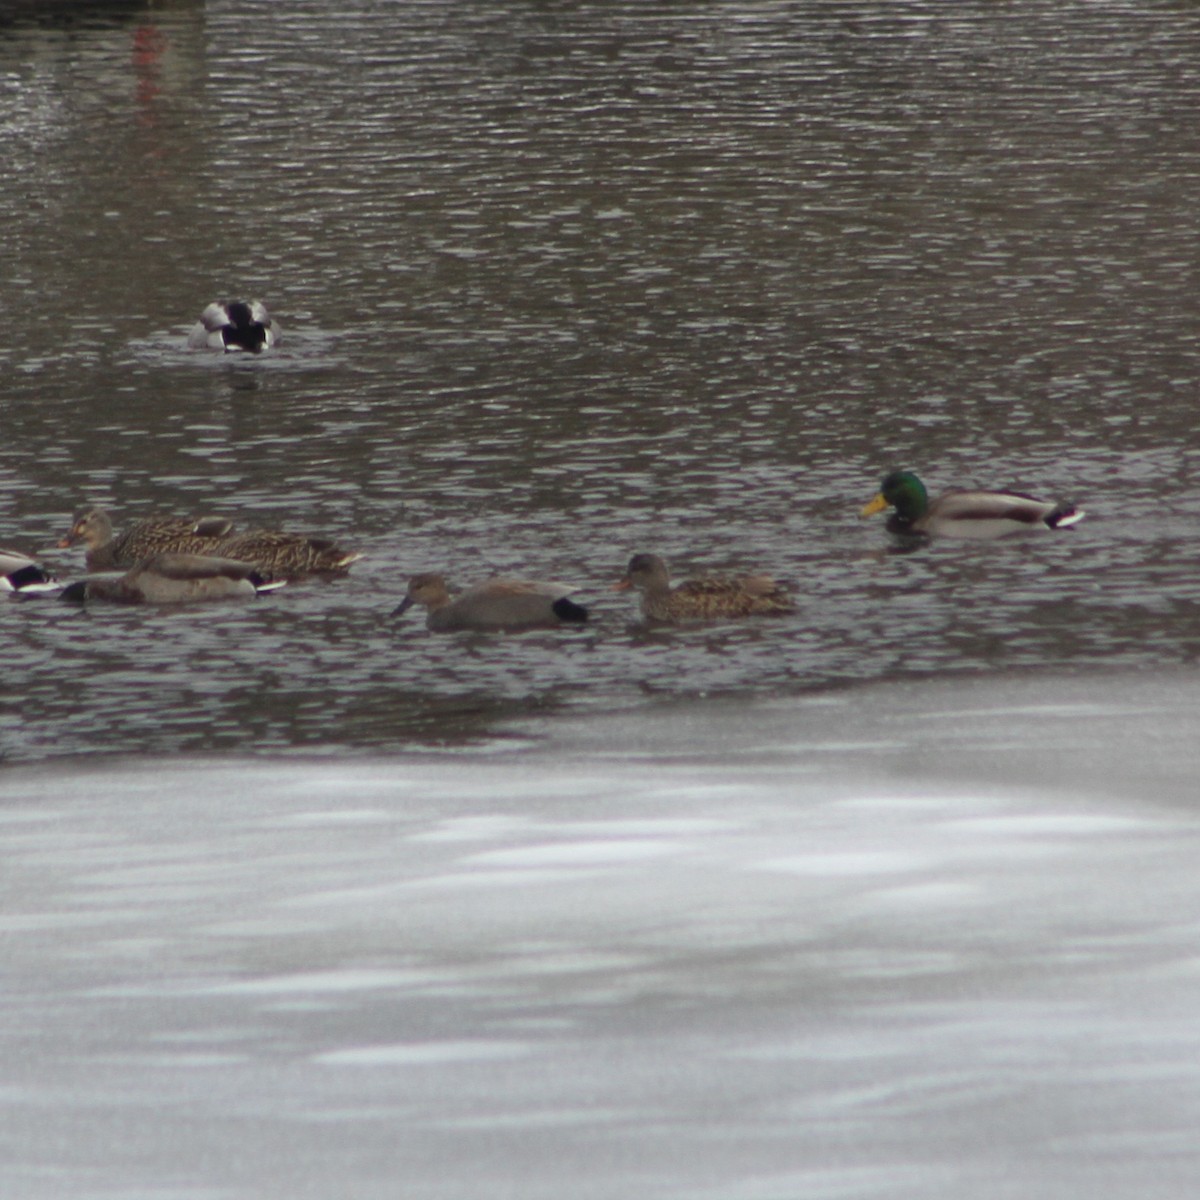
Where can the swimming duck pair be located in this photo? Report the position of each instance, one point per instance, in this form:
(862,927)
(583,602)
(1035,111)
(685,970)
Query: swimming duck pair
(174,560)
(513,604)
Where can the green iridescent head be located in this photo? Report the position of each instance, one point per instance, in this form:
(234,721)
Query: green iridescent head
(904,492)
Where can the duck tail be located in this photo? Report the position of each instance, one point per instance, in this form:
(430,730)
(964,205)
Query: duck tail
(31,578)
(1064,516)
(568,610)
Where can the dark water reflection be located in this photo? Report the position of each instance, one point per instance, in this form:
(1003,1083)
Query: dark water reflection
(567,281)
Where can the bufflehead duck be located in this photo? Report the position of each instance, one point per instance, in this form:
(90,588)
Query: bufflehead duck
(234,325)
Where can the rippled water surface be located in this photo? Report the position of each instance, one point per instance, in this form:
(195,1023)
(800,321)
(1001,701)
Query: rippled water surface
(563,282)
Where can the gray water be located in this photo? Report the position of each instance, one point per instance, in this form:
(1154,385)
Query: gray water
(566,282)
(892,897)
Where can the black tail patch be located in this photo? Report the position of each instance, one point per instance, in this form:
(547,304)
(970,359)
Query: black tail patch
(568,610)
(28,576)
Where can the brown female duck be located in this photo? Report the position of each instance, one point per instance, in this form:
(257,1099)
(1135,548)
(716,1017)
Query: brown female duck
(276,555)
(701,599)
(108,551)
(280,555)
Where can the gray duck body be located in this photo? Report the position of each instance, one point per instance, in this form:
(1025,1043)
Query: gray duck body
(175,579)
(493,605)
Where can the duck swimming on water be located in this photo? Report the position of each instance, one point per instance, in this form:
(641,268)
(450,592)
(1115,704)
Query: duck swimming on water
(276,554)
(706,598)
(494,605)
(965,514)
(175,579)
(108,551)
(234,325)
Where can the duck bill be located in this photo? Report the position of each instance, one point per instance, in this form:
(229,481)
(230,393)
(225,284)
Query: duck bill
(64,543)
(876,506)
(622,585)
(403,606)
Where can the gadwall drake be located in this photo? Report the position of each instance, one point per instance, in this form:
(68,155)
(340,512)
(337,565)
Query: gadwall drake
(20,573)
(965,514)
(495,604)
(704,598)
(107,551)
(275,554)
(175,579)
(232,325)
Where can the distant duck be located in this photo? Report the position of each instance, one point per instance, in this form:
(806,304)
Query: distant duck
(704,598)
(275,554)
(493,605)
(20,573)
(965,514)
(234,325)
(175,579)
(107,551)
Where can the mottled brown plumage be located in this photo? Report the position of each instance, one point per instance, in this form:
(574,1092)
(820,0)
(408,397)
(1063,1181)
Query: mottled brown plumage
(274,554)
(107,551)
(704,598)
(281,555)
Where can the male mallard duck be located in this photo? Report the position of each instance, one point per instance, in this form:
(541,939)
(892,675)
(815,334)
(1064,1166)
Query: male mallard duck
(175,579)
(157,535)
(965,514)
(20,573)
(280,555)
(704,598)
(495,604)
(234,325)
